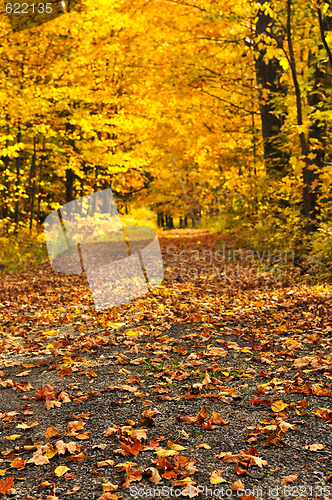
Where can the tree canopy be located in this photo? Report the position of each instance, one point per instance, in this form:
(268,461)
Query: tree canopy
(185,106)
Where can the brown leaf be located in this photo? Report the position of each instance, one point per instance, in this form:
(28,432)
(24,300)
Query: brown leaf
(146,418)
(76,425)
(6,485)
(38,458)
(139,434)
(105,463)
(13,437)
(240,471)
(152,475)
(108,496)
(217,419)
(50,432)
(107,487)
(82,436)
(324,413)
(202,414)
(77,458)
(288,479)
(72,491)
(186,419)
(315,447)
(238,485)
(18,463)
(133,447)
(61,447)
(109,431)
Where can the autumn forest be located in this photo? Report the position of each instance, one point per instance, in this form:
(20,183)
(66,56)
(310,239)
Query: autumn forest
(210,122)
(193,109)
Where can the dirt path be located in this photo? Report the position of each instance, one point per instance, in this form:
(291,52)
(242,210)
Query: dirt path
(218,380)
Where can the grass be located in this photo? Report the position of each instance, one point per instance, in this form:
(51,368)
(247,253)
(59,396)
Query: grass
(167,364)
(26,249)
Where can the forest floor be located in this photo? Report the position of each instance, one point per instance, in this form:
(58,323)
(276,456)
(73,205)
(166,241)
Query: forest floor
(217,384)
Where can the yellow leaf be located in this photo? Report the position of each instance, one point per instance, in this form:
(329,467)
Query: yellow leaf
(174,446)
(47,333)
(105,463)
(109,487)
(61,470)
(278,406)
(13,437)
(45,484)
(216,478)
(50,453)
(122,371)
(26,426)
(166,453)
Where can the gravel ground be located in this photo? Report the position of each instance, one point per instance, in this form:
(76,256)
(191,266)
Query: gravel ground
(258,355)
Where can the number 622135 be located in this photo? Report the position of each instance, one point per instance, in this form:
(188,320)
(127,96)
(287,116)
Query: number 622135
(40,8)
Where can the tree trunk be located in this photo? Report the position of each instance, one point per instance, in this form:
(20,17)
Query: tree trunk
(32,182)
(310,174)
(18,180)
(69,183)
(268,80)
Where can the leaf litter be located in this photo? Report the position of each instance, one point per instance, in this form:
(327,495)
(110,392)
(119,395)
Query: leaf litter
(203,380)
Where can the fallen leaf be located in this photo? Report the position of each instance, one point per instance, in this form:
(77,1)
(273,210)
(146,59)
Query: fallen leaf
(105,463)
(50,432)
(109,487)
(61,470)
(288,479)
(315,447)
(13,437)
(73,490)
(216,477)
(166,453)
(238,485)
(6,485)
(38,458)
(278,406)
(174,446)
(18,463)
(77,458)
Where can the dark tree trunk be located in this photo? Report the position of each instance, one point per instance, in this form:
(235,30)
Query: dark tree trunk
(18,180)
(169,222)
(268,80)
(161,222)
(70,177)
(32,182)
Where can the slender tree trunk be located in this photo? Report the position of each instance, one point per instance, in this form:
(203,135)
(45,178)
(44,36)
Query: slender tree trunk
(33,181)
(268,80)
(310,174)
(69,183)
(17,186)
(5,159)
(325,24)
